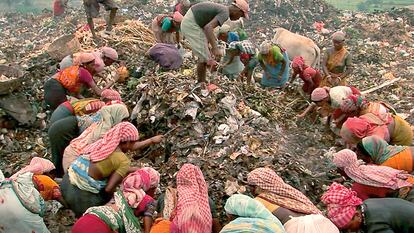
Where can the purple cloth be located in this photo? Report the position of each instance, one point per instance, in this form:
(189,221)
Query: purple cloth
(167,55)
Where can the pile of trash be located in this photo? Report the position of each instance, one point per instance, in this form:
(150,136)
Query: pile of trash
(129,38)
(231,128)
(228,130)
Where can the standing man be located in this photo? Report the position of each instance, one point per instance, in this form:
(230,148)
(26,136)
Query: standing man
(198,27)
(92,11)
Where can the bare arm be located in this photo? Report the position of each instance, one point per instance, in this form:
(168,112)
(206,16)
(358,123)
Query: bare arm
(307,110)
(147,224)
(96,89)
(177,37)
(79,96)
(114,180)
(349,68)
(324,63)
(148,142)
(232,56)
(132,169)
(216,226)
(209,32)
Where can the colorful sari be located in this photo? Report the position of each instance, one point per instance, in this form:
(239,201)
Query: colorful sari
(122,221)
(355,129)
(21,207)
(379,150)
(47,187)
(371,175)
(402,133)
(336,60)
(108,117)
(280,193)
(336,64)
(69,78)
(274,72)
(78,175)
(84,106)
(193,214)
(251,215)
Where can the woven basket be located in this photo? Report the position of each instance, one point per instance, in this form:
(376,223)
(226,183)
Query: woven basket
(63,46)
(9,86)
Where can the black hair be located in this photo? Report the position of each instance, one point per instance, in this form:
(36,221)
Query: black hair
(361,148)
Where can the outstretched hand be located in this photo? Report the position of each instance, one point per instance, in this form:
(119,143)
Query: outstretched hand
(157,139)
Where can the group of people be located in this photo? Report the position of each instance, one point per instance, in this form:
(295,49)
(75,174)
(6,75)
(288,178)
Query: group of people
(90,137)
(224,46)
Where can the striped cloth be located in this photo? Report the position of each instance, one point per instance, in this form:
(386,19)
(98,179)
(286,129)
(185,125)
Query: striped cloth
(103,147)
(192,211)
(280,193)
(137,183)
(379,150)
(37,166)
(372,175)
(244,46)
(110,94)
(251,215)
(110,116)
(342,204)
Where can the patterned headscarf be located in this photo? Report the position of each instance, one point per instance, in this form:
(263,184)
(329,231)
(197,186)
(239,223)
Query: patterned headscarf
(298,62)
(372,175)
(244,206)
(320,93)
(193,213)
(137,183)
(356,128)
(109,53)
(308,73)
(338,36)
(353,103)
(265,47)
(279,192)
(102,148)
(252,216)
(244,46)
(379,150)
(111,95)
(178,17)
(110,116)
(342,204)
(37,166)
(86,58)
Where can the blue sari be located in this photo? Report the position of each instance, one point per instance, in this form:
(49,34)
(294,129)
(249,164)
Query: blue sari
(274,72)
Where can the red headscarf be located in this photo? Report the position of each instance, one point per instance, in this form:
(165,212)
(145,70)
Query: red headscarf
(298,63)
(353,103)
(281,193)
(193,213)
(372,175)
(356,128)
(111,95)
(37,166)
(320,93)
(137,183)
(342,204)
(102,148)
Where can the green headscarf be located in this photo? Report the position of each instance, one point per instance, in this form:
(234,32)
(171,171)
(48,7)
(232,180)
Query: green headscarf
(379,150)
(252,216)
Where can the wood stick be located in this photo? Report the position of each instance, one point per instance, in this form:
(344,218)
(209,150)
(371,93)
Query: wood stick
(385,84)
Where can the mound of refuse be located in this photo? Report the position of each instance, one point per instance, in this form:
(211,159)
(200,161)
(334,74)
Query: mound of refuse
(231,128)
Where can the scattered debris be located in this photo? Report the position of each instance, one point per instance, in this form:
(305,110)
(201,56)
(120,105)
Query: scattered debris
(228,129)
